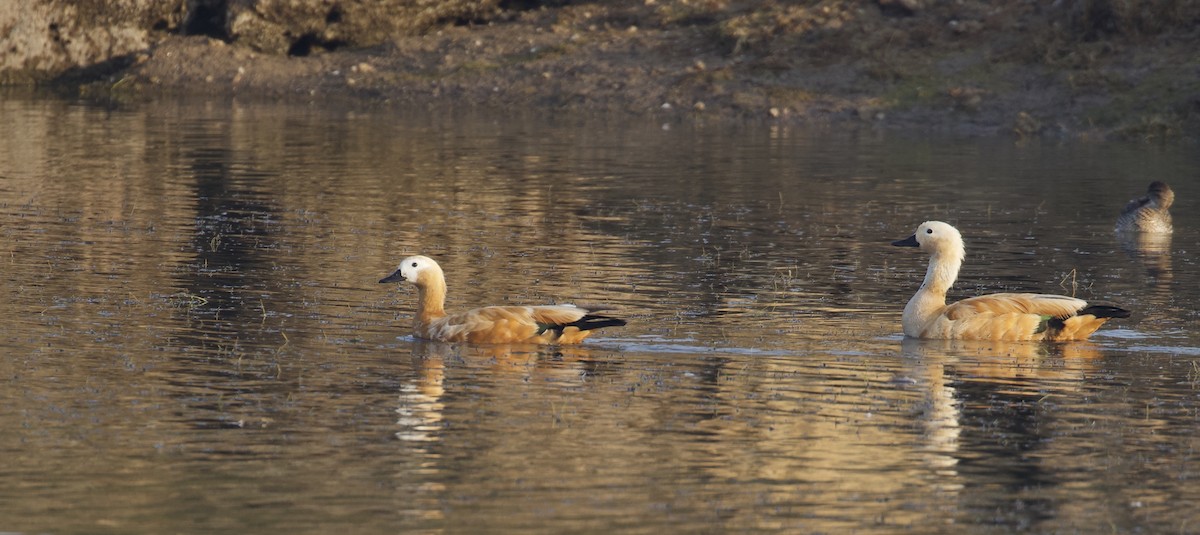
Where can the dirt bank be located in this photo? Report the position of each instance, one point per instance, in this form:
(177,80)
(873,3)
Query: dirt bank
(1077,69)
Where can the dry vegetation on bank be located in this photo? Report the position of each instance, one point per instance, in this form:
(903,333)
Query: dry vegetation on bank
(1073,68)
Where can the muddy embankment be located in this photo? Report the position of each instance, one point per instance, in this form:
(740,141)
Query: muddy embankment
(1093,69)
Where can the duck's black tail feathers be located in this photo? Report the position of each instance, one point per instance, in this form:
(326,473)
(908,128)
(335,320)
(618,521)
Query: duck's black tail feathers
(595,321)
(1104,311)
(1099,311)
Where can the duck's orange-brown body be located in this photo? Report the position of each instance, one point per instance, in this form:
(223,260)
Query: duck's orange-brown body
(550,324)
(1002,316)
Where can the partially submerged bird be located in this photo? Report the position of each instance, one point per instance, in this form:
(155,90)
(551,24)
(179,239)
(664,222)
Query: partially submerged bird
(1001,316)
(550,324)
(1148,213)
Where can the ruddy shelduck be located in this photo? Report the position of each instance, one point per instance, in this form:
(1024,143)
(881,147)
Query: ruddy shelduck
(1002,316)
(1148,213)
(549,324)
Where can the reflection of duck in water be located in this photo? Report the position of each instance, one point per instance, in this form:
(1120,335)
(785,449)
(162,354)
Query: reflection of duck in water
(1148,213)
(551,324)
(421,409)
(1001,316)
(1153,249)
(1003,359)
(1021,368)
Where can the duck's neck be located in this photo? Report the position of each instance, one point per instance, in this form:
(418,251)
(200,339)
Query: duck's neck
(942,272)
(929,301)
(431,298)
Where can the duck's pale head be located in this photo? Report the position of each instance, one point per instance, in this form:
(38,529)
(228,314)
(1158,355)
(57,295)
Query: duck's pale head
(415,269)
(934,237)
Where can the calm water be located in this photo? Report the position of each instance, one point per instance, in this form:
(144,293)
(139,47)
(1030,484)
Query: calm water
(195,340)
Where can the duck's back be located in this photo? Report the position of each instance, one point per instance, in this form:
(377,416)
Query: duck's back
(1149,213)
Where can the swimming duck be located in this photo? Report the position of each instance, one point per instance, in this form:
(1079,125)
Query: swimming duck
(1002,316)
(550,324)
(1149,212)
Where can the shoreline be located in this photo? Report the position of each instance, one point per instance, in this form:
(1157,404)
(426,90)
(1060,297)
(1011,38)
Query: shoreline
(1007,70)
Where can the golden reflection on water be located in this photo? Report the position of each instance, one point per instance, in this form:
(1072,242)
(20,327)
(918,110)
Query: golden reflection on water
(1153,251)
(421,407)
(1012,364)
(194,327)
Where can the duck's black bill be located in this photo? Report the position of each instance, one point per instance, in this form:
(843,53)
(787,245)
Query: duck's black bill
(394,277)
(910,241)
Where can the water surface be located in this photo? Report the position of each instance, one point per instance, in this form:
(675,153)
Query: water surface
(195,340)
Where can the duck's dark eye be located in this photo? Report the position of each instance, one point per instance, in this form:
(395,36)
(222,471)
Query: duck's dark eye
(929,231)
(414,264)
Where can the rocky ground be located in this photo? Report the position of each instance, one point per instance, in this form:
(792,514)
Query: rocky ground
(1094,69)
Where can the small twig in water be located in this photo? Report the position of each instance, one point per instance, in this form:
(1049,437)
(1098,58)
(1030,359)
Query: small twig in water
(1074,285)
